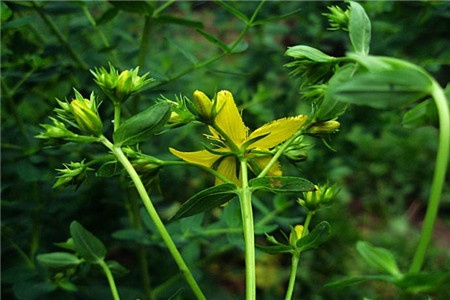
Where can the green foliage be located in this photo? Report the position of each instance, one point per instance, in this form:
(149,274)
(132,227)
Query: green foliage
(86,244)
(285,184)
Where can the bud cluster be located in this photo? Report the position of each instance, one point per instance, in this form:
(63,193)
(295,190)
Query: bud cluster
(297,151)
(147,166)
(338,18)
(119,87)
(73,174)
(320,197)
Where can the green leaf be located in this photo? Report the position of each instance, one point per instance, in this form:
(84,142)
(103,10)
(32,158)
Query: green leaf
(58,260)
(5,12)
(316,237)
(313,54)
(66,285)
(422,114)
(233,10)
(281,184)
(385,89)
(425,282)
(107,16)
(215,41)
(131,234)
(259,229)
(380,258)
(138,7)
(186,53)
(168,19)
(86,244)
(275,249)
(359,28)
(108,169)
(359,279)
(277,18)
(143,125)
(66,245)
(206,199)
(117,269)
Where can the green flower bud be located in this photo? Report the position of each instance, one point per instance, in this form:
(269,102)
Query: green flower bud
(204,106)
(124,85)
(87,119)
(297,232)
(321,196)
(338,18)
(323,127)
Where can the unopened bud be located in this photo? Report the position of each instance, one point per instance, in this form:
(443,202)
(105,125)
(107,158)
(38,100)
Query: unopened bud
(324,127)
(87,119)
(203,104)
(298,229)
(124,85)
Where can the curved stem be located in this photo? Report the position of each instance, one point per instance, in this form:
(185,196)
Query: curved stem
(438,178)
(155,218)
(245,196)
(112,284)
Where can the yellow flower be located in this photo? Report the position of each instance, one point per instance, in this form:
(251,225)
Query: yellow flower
(229,121)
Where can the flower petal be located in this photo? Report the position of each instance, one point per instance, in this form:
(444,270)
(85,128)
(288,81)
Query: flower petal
(278,131)
(203,157)
(229,119)
(227,168)
(262,162)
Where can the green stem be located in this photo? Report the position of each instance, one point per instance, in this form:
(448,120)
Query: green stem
(277,154)
(296,258)
(117,110)
(62,39)
(163,7)
(294,266)
(438,178)
(249,235)
(183,163)
(155,218)
(143,50)
(112,284)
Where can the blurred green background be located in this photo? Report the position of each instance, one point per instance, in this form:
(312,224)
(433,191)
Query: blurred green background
(384,170)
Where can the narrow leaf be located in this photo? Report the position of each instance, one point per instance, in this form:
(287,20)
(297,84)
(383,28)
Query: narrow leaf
(107,16)
(58,260)
(206,199)
(425,282)
(275,249)
(386,89)
(215,41)
(168,19)
(86,244)
(359,28)
(313,54)
(139,7)
(378,257)
(66,245)
(186,53)
(233,10)
(316,237)
(117,269)
(277,18)
(359,279)
(143,125)
(281,184)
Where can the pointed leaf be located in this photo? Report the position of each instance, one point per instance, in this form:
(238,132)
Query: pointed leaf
(316,237)
(385,89)
(281,184)
(86,244)
(206,199)
(66,245)
(378,257)
(425,282)
(143,125)
(277,18)
(214,40)
(109,169)
(359,279)
(164,19)
(107,16)
(58,260)
(313,54)
(275,249)
(359,28)
(233,10)
(117,269)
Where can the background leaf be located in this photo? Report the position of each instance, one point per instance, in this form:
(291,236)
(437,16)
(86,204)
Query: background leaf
(281,184)
(86,244)
(359,28)
(316,237)
(378,257)
(58,260)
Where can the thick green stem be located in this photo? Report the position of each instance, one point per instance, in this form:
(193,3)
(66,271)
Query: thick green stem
(438,178)
(293,275)
(296,258)
(117,111)
(112,284)
(155,218)
(249,235)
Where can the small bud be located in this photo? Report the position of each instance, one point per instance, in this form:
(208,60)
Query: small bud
(73,174)
(204,106)
(321,196)
(87,119)
(296,156)
(323,127)
(296,234)
(338,18)
(124,85)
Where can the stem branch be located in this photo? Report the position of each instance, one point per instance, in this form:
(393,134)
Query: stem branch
(112,284)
